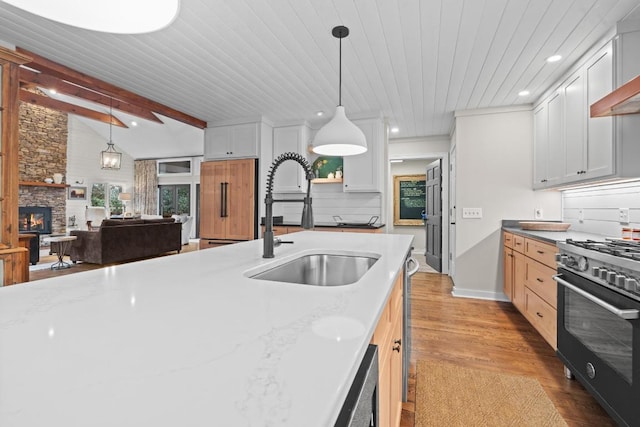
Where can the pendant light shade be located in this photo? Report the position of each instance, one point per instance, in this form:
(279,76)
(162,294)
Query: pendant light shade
(339,137)
(120,17)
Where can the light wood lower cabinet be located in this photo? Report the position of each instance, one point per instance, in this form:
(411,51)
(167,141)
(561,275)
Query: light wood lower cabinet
(388,338)
(529,265)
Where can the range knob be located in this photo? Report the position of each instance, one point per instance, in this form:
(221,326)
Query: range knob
(595,271)
(603,273)
(631,285)
(620,278)
(611,277)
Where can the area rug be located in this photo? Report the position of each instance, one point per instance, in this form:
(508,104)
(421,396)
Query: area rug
(450,395)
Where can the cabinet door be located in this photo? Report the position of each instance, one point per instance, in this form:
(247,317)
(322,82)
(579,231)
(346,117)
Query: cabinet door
(212,178)
(519,278)
(574,127)
(216,142)
(508,272)
(240,199)
(600,141)
(541,145)
(363,172)
(290,177)
(244,141)
(556,149)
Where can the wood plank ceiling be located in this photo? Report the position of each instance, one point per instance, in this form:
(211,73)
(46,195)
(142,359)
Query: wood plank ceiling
(415,61)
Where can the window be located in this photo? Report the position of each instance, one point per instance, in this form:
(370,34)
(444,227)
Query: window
(104,194)
(174,167)
(175,199)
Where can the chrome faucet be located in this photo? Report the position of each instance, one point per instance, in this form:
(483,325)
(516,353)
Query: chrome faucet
(307,212)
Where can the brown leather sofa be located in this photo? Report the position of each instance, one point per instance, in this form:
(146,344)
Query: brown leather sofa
(120,240)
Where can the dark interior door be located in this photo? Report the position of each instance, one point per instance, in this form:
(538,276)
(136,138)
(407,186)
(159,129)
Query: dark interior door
(433,210)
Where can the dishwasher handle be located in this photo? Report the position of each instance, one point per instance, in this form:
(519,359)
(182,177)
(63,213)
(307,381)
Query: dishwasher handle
(414,270)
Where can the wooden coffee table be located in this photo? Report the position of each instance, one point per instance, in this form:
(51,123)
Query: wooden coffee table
(59,245)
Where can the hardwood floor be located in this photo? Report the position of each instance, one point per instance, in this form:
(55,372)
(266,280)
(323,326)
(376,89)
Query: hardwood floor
(494,336)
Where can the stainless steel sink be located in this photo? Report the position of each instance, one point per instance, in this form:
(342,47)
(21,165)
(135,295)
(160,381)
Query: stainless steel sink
(320,270)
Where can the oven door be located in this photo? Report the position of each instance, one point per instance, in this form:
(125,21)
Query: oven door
(599,342)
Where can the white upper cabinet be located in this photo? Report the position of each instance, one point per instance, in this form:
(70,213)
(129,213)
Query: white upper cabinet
(232,141)
(570,147)
(290,177)
(364,172)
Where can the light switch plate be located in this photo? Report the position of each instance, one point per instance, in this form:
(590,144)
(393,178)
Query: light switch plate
(581,215)
(475,213)
(623,215)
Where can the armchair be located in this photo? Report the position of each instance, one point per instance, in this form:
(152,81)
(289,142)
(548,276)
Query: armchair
(94,216)
(187,222)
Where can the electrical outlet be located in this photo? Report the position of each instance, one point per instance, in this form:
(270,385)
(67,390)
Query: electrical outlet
(538,213)
(623,215)
(475,213)
(581,215)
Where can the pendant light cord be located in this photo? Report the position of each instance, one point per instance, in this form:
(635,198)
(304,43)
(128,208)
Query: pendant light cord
(110,118)
(340,76)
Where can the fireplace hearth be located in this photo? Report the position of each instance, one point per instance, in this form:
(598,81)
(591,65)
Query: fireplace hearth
(34,218)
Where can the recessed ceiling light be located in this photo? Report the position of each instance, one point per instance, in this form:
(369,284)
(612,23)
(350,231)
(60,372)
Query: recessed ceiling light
(554,58)
(134,123)
(523,93)
(140,17)
(396,161)
(319,113)
(395,129)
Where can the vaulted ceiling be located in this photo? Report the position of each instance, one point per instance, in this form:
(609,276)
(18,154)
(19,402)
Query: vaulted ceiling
(416,61)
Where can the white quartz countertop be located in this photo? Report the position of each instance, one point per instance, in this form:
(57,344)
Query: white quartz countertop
(189,340)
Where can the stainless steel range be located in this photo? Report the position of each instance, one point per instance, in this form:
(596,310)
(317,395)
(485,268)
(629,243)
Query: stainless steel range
(599,321)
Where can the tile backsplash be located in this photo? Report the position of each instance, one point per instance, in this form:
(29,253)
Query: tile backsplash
(598,209)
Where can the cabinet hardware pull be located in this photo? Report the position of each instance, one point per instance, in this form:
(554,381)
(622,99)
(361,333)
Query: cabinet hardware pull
(399,342)
(223,199)
(540,252)
(539,279)
(396,348)
(539,315)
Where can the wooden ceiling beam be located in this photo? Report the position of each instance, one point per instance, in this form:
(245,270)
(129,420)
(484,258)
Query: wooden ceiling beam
(54,104)
(60,71)
(30,77)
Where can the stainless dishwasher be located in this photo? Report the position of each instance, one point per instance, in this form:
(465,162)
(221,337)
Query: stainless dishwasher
(406,321)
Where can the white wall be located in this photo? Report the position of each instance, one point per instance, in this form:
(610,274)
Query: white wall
(599,208)
(494,171)
(83,165)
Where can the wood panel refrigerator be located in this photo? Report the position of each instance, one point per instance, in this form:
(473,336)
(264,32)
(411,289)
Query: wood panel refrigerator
(228,202)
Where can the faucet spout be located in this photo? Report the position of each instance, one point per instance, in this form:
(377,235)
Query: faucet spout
(307,211)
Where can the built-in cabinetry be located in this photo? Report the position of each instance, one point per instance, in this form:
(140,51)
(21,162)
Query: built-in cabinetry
(364,172)
(529,265)
(388,337)
(227,201)
(290,177)
(570,147)
(235,141)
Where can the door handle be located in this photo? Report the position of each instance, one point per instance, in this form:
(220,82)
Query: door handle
(223,199)
(627,314)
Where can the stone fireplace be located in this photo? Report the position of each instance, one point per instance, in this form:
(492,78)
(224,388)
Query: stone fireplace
(43,152)
(34,218)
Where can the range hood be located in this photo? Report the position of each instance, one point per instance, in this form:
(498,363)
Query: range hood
(624,100)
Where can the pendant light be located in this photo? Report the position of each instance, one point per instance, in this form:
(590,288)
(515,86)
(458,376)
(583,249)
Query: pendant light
(120,17)
(339,137)
(110,158)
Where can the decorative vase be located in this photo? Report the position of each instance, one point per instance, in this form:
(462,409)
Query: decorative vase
(57,178)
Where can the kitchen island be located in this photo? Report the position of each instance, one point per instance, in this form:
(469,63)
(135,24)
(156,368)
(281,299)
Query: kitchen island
(190,339)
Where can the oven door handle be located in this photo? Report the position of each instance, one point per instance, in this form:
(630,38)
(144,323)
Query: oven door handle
(627,314)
